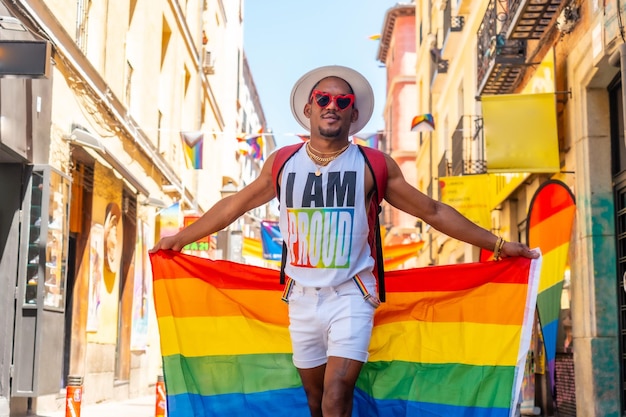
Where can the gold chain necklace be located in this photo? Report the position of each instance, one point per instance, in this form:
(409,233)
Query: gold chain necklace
(328,153)
(323,161)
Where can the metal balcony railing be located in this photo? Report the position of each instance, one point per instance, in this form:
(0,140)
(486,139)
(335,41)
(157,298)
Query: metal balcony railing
(530,19)
(476,163)
(457,23)
(500,60)
(502,40)
(442,66)
(451,23)
(457,148)
(443,169)
(467,147)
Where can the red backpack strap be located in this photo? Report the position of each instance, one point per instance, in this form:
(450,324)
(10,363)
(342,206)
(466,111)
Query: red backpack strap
(376,161)
(377,164)
(282,155)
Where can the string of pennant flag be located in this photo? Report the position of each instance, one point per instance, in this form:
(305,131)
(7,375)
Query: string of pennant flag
(252,144)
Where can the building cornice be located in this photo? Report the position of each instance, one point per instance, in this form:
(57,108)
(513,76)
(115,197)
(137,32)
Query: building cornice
(399,10)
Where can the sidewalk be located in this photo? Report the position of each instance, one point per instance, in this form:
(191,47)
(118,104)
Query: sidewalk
(136,407)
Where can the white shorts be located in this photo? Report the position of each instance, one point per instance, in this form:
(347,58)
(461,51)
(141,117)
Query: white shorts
(329,321)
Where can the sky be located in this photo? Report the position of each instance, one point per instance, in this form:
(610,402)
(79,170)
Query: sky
(284,39)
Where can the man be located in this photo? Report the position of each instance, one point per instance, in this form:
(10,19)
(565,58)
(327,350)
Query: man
(325,190)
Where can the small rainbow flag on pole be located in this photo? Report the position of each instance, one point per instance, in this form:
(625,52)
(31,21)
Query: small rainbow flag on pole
(449,341)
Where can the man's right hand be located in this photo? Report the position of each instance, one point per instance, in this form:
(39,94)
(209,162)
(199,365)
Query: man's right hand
(167,243)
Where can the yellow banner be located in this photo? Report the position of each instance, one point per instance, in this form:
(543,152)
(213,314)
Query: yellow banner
(469,195)
(521,133)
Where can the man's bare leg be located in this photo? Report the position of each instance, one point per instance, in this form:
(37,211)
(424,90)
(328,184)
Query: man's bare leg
(330,388)
(313,383)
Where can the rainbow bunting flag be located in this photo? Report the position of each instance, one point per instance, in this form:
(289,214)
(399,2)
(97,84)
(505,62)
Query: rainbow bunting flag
(369,139)
(449,341)
(192,148)
(423,123)
(255,144)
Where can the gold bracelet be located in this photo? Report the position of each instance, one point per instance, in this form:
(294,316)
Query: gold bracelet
(497,248)
(498,252)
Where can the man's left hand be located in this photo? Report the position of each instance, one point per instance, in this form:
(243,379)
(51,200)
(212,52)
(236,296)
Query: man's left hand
(518,249)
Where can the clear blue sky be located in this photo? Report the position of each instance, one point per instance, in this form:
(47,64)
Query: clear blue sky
(283,39)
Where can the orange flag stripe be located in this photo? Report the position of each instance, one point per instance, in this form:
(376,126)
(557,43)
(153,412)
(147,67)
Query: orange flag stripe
(400,306)
(550,239)
(472,304)
(224,302)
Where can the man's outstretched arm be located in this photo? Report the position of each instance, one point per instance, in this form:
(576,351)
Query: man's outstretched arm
(442,217)
(225,211)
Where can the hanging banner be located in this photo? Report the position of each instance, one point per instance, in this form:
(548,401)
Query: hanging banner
(550,223)
(168,221)
(467,195)
(521,133)
(272,240)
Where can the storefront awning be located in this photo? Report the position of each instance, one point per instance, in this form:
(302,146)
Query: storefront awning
(85,139)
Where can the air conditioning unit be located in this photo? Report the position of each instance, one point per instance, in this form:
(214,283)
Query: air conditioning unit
(208,66)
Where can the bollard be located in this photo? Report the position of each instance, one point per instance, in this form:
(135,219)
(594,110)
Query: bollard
(160,397)
(73,396)
(5,410)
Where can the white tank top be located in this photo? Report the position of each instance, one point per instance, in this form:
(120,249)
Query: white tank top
(323,220)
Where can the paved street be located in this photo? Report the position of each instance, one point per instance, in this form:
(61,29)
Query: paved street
(137,407)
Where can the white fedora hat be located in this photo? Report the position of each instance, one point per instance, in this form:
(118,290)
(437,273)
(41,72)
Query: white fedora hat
(363,93)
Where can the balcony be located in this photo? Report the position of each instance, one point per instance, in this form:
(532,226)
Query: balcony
(443,169)
(530,19)
(500,60)
(438,70)
(468,147)
(503,36)
(452,28)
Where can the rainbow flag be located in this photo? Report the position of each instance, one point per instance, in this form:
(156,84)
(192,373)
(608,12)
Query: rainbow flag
(551,216)
(192,148)
(449,341)
(369,139)
(423,123)
(254,143)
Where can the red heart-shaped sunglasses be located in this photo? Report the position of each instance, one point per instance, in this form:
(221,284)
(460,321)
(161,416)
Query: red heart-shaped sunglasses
(323,99)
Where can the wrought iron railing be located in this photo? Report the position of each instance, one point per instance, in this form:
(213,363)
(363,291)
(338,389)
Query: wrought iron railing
(468,147)
(499,59)
(530,19)
(457,148)
(443,169)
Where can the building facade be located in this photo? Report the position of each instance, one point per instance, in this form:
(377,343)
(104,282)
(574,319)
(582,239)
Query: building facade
(477,56)
(398,53)
(139,112)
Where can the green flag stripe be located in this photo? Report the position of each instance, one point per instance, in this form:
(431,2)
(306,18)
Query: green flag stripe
(453,384)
